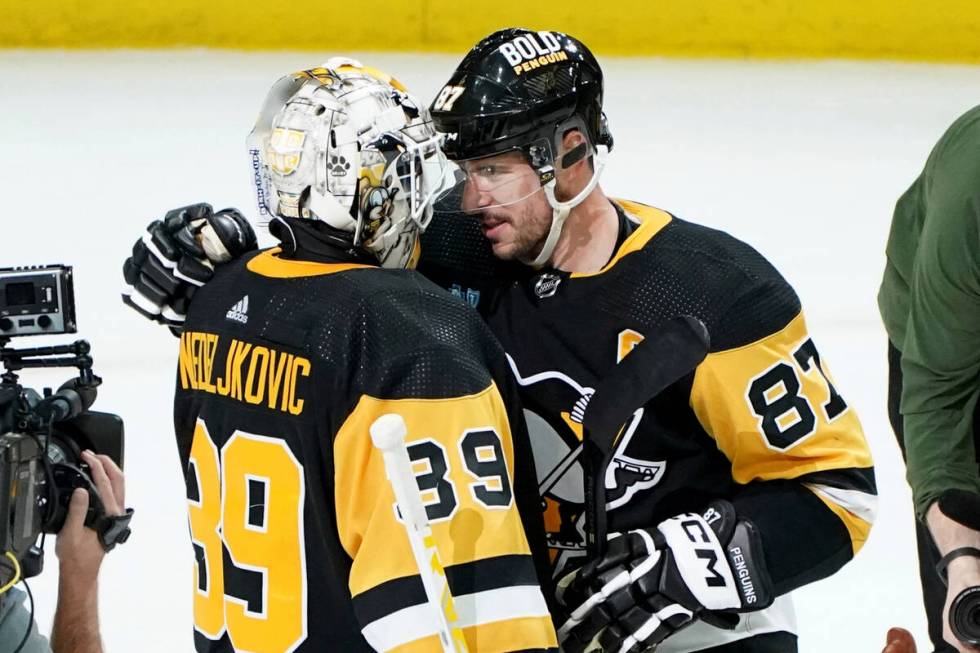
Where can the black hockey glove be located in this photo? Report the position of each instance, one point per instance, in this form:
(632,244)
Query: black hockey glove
(651,583)
(177,255)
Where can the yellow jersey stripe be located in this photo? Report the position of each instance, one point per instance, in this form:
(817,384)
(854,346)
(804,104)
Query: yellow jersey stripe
(651,222)
(268,264)
(857,528)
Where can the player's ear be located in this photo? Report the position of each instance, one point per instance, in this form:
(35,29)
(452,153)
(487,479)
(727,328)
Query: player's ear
(572,139)
(578,173)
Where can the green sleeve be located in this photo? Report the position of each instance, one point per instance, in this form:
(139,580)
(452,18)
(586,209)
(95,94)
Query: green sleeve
(941,352)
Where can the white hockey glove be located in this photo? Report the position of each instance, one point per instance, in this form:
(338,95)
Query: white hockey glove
(651,583)
(177,255)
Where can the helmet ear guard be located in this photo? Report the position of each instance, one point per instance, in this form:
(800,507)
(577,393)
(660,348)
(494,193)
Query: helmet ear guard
(560,210)
(542,153)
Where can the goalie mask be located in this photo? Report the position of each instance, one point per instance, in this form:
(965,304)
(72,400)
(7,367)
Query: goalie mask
(347,144)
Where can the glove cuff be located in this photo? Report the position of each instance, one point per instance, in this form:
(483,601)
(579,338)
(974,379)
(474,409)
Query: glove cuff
(747,560)
(746,557)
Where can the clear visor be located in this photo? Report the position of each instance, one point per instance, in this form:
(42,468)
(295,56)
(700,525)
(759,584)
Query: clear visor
(490,183)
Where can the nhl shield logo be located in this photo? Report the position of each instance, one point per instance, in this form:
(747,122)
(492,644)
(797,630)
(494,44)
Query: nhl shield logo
(286,150)
(546,285)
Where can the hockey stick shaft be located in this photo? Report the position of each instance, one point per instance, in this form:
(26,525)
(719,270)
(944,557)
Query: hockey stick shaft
(653,365)
(388,436)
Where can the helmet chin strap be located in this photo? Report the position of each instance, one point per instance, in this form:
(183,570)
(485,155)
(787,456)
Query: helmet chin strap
(560,210)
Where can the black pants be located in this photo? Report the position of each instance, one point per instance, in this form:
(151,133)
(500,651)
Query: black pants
(933,591)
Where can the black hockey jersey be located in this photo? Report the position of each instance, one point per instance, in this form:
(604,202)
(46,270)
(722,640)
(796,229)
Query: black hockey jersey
(284,365)
(759,422)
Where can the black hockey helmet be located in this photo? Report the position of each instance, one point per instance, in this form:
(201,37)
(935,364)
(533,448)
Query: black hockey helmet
(518,89)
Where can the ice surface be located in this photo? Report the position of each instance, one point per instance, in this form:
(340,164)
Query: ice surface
(804,160)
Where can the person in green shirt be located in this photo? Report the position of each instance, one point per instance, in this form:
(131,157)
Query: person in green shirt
(930,304)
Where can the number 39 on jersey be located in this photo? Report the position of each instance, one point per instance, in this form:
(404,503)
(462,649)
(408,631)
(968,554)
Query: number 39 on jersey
(247,499)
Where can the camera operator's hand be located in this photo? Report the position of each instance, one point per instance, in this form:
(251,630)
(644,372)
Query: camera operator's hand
(80,554)
(78,548)
(177,255)
(962,573)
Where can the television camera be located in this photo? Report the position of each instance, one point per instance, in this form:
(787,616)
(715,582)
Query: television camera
(43,434)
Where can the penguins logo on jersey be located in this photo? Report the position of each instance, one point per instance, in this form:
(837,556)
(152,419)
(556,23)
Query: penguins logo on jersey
(557,449)
(627,475)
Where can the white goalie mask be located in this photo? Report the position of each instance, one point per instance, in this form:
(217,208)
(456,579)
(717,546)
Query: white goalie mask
(347,144)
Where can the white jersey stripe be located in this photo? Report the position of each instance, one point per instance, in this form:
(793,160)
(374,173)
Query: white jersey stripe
(862,504)
(418,621)
(780,616)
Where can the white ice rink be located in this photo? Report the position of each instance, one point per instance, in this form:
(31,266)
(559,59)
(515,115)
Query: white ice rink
(802,160)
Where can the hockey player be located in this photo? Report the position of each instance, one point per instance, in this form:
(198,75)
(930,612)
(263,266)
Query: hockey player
(744,480)
(741,482)
(287,357)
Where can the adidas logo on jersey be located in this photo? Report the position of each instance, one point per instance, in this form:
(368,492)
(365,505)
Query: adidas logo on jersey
(239,312)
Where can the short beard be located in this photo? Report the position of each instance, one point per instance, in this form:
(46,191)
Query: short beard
(529,244)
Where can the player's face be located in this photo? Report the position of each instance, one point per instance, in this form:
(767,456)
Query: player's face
(505,192)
